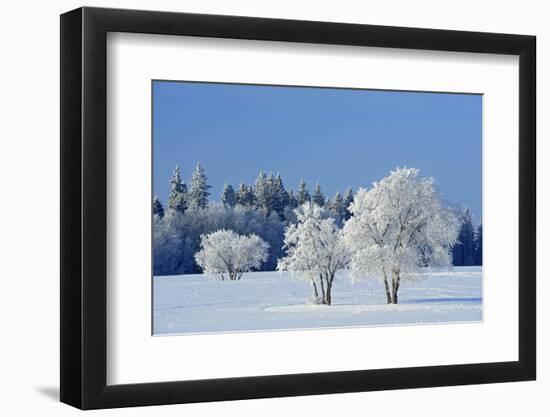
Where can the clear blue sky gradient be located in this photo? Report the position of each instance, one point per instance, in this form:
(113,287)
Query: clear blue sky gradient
(339,137)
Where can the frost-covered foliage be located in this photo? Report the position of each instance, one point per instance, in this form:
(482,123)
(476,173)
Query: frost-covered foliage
(176,236)
(467,250)
(177,200)
(158,209)
(318,197)
(338,208)
(398,226)
(478,245)
(245,195)
(225,252)
(280,198)
(348,199)
(302,196)
(266,208)
(315,250)
(292,200)
(270,194)
(198,195)
(228,196)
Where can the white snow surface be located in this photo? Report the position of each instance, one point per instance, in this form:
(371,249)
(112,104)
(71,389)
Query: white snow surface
(264,301)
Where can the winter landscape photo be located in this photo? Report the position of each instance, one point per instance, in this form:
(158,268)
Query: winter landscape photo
(285,208)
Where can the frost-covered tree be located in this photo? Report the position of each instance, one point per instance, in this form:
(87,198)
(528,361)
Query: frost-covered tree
(263,192)
(172,244)
(292,200)
(318,197)
(315,250)
(245,195)
(228,196)
(198,194)
(279,196)
(348,199)
(463,251)
(177,237)
(158,209)
(478,245)
(398,226)
(302,194)
(338,208)
(225,252)
(272,230)
(177,200)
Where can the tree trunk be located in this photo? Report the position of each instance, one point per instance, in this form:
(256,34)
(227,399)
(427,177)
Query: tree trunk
(324,300)
(388,294)
(315,290)
(329,289)
(395,287)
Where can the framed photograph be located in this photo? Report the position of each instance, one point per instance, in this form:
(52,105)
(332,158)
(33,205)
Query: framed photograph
(257,208)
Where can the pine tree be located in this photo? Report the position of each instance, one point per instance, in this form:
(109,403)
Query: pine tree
(478,245)
(318,196)
(302,193)
(463,250)
(262,192)
(348,199)
(337,207)
(228,196)
(177,200)
(279,196)
(158,209)
(292,200)
(198,196)
(245,195)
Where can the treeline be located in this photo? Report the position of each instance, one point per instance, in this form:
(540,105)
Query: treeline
(264,208)
(468,249)
(268,194)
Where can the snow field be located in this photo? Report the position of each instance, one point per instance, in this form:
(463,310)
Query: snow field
(263,301)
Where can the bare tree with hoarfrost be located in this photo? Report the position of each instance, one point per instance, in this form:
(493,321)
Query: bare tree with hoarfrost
(315,250)
(398,226)
(226,252)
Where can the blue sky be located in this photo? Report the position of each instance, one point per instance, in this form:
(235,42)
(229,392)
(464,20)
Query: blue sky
(339,137)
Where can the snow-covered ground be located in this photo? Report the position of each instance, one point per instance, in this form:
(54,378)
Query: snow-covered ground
(275,301)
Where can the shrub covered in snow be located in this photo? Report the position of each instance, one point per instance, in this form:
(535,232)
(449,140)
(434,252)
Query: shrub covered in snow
(225,252)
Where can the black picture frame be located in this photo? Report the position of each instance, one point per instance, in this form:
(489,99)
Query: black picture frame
(84,207)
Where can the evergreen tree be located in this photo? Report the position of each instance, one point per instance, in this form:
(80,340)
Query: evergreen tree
(245,195)
(228,196)
(302,193)
(262,192)
(158,209)
(318,196)
(463,250)
(292,200)
(177,200)
(198,196)
(338,207)
(279,196)
(348,199)
(478,245)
